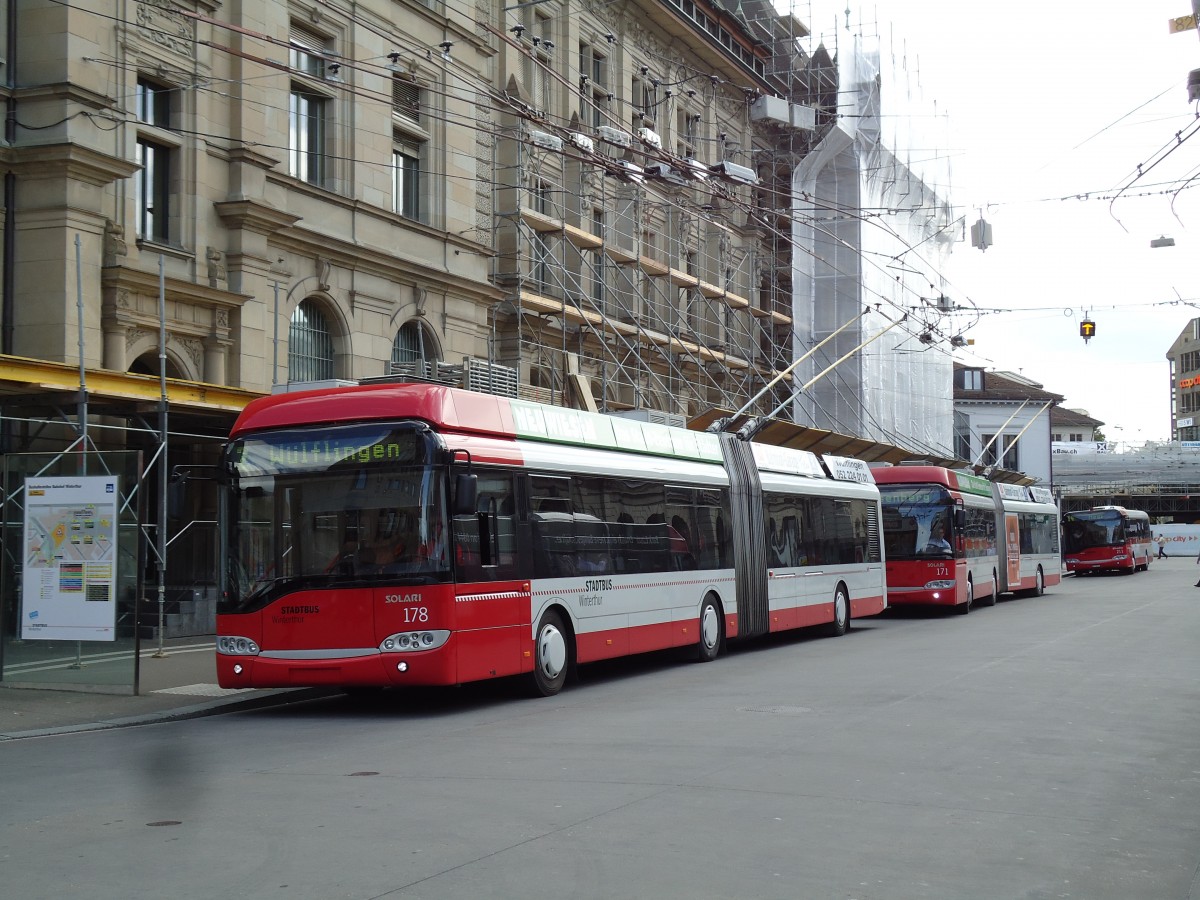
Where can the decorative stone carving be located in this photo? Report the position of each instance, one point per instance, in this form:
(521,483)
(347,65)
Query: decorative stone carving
(216,267)
(115,248)
(160,23)
(192,347)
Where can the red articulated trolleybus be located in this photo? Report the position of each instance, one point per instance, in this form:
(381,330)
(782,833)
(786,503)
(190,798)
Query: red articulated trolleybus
(939,529)
(1107,539)
(412,534)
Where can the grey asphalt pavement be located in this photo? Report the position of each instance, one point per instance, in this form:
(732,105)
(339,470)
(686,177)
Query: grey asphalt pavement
(1043,748)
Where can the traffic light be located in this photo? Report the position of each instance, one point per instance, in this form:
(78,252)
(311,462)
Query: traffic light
(1087,330)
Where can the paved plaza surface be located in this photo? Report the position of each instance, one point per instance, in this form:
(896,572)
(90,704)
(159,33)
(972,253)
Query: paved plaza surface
(1044,748)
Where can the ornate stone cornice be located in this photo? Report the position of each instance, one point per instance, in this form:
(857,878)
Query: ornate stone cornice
(254,215)
(129,279)
(73,161)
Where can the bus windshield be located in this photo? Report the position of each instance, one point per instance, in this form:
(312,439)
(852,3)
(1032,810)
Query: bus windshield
(917,521)
(335,507)
(1100,528)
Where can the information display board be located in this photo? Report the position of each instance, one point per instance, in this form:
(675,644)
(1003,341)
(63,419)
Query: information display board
(68,582)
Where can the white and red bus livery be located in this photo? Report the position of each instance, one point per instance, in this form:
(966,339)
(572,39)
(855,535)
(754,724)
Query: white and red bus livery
(1030,559)
(409,534)
(1107,539)
(939,529)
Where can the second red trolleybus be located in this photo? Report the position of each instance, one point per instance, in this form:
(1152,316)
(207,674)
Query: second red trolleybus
(1030,558)
(1107,539)
(939,529)
(391,535)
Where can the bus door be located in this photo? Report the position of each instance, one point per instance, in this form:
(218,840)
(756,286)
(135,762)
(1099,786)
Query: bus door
(492,602)
(1012,550)
(785,582)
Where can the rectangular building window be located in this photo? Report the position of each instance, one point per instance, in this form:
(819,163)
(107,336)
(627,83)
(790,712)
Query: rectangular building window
(307,144)
(686,127)
(153,104)
(1002,452)
(308,53)
(644,100)
(411,157)
(406,180)
(593,85)
(310,107)
(153,191)
(539,63)
(406,99)
(157,154)
(969,379)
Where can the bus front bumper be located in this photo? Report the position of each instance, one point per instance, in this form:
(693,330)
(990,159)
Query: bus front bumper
(922,596)
(281,669)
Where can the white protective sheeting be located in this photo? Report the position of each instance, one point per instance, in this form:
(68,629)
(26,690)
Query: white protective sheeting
(871,230)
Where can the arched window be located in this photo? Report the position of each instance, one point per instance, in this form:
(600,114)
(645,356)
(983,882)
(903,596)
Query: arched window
(310,345)
(413,350)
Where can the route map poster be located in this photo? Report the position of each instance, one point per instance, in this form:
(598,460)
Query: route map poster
(68,582)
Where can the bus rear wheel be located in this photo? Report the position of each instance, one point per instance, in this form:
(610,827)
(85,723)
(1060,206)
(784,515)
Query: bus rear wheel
(712,630)
(552,655)
(841,613)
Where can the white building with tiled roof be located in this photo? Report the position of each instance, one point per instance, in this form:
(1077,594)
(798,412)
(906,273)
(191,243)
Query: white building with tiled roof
(1003,419)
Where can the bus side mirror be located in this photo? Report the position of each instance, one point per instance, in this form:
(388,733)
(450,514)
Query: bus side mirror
(960,519)
(466,491)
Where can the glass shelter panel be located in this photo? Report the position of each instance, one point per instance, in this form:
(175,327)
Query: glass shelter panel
(69,571)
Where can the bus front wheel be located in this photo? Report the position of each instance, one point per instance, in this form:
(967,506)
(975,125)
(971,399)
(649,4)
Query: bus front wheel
(963,608)
(551,655)
(991,601)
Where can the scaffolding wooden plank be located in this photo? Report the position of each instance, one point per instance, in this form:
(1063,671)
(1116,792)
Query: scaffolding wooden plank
(653,267)
(683,279)
(619,256)
(540,222)
(773,314)
(584,240)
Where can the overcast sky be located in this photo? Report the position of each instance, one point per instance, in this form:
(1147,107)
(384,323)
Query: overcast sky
(1052,106)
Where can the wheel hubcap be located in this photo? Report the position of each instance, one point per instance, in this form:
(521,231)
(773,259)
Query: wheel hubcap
(552,652)
(710,626)
(839,609)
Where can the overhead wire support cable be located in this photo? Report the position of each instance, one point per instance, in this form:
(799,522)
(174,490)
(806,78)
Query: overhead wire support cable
(750,429)
(721,424)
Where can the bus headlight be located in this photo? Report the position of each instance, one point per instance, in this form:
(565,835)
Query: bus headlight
(231,645)
(939,585)
(1120,556)
(407,641)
